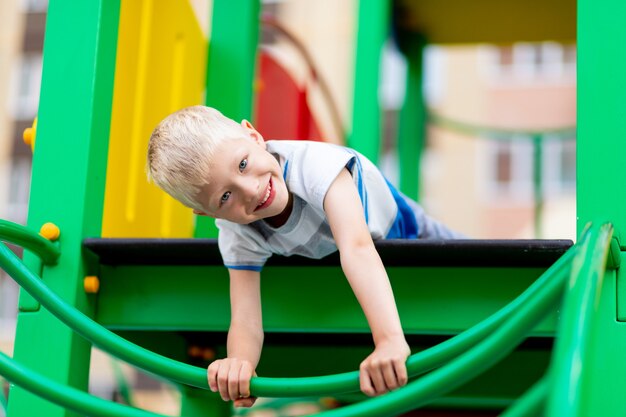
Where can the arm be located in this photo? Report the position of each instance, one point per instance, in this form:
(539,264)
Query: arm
(231,376)
(385,368)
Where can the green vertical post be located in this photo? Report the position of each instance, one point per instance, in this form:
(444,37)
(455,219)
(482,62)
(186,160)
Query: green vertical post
(601,137)
(67,185)
(538,182)
(231,68)
(412,125)
(373,26)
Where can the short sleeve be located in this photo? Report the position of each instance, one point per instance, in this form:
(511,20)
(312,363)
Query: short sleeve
(314,169)
(241,246)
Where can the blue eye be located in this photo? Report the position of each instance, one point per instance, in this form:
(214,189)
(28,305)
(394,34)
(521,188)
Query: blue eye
(243,164)
(225,197)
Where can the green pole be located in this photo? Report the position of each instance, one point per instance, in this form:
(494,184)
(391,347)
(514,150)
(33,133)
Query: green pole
(373,25)
(538,183)
(412,125)
(231,69)
(67,189)
(601,138)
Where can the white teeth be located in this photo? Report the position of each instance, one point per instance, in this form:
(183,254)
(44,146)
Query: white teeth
(267,195)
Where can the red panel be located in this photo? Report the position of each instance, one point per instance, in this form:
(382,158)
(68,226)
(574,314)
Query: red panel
(282,109)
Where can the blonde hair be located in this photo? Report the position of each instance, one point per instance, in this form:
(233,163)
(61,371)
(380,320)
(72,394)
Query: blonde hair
(182,147)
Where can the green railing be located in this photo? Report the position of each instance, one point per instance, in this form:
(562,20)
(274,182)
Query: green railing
(457,360)
(536,136)
(28,239)
(580,307)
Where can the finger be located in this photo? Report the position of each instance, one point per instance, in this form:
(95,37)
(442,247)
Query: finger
(401,372)
(233,380)
(222,380)
(389,376)
(378,380)
(366,382)
(244,402)
(245,374)
(212,375)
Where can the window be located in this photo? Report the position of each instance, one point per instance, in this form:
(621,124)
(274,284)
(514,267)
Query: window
(532,60)
(35,6)
(26,89)
(510,167)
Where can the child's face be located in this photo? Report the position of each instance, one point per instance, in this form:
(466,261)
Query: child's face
(246,182)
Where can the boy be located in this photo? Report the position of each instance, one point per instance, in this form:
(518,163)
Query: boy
(287,197)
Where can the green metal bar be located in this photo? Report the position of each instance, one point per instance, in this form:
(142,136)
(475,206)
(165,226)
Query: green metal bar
(420,362)
(538,183)
(531,403)
(465,367)
(25,237)
(231,69)
(373,24)
(412,123)
(601,148)
(68,182)
(575,327)
(66,396)
(195,376)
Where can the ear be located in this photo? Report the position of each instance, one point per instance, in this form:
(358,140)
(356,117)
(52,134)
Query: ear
(254,134)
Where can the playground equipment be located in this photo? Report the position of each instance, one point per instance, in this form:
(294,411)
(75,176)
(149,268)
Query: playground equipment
(163,292)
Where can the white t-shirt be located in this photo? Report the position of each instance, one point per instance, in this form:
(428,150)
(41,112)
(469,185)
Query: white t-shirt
(309,168)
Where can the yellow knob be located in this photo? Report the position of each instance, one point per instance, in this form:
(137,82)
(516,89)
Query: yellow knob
(50,231)
(30,134)
(91,284)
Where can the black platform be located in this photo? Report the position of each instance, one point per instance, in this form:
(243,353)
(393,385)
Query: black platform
(398,253)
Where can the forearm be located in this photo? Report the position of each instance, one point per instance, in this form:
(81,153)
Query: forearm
(245,341)
(369,281)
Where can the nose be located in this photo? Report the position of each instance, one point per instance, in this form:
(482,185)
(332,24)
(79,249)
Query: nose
(249,188)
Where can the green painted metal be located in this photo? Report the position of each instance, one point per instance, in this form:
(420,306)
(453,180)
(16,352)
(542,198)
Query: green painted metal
(67,184)
(194,376)
(372,30)
(604,366)
(448,377)
(197,402)
(134,297)
(412,124)
(464,367)
(30,240)
(601,148)
(66,396)
(538,183)
(231,69)
(571,353)
(531,404)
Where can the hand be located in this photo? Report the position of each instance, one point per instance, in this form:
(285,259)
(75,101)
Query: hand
(385,369)
(231,377)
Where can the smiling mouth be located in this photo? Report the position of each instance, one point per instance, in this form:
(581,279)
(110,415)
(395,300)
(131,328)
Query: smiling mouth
(268,197)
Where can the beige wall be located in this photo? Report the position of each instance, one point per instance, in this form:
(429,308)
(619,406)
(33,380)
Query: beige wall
(11,32)
(326,28)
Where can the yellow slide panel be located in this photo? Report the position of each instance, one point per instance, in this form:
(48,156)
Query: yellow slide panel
(161,67)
